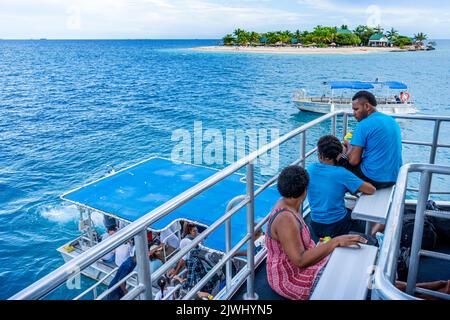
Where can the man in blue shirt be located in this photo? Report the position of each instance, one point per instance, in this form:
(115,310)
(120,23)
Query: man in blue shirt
(375,151)
(326,191)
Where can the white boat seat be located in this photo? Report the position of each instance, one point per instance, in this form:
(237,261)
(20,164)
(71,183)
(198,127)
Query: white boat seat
(347,275)
(375,207)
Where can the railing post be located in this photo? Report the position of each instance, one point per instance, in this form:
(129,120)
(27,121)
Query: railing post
(425,182)
(143,265)
(251,294)
(228,273)
(228,269)
(433,150)
(333,125)
(90,228)
(344,124)
(302,148)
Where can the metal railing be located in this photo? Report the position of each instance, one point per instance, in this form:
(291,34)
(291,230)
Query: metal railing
(385,271)
(138,228)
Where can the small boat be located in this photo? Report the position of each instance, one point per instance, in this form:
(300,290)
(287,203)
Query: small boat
(389,102)
(130,193)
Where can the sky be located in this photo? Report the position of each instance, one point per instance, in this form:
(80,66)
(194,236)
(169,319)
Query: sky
(211,19)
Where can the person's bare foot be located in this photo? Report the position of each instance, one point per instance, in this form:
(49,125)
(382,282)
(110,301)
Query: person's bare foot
(446,288)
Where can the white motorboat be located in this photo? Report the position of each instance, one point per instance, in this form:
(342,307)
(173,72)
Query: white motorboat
(392,97)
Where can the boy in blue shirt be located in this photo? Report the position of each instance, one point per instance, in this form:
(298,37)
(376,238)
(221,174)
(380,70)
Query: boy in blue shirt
(375,151)
(327,187)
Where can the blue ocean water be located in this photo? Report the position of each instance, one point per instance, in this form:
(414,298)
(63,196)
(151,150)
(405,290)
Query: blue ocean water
(70,108)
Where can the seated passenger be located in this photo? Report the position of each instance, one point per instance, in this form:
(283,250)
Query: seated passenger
(196,269)
(109,222)
(125,268)
(294,262)
(375,151)
(162,283)
(123,252)
(109,257)
(326,191)
(190,232)
(155,257)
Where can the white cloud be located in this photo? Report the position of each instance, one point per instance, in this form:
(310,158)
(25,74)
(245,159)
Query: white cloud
(197,18)
(145,18)
(409,18)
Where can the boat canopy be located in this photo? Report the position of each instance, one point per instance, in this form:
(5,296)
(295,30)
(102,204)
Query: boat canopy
(365,84)
(395,85)
(350,85)
(135,191)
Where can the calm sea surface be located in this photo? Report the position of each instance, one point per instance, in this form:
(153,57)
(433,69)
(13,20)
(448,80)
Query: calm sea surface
(70,108)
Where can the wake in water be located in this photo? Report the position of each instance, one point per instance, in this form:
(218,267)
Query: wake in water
(66,214)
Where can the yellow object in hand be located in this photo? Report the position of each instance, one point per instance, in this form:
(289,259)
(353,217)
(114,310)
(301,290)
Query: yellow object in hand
(348,136)
(325,239)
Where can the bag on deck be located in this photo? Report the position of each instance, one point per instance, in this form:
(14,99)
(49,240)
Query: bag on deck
(442,225)
(429,237)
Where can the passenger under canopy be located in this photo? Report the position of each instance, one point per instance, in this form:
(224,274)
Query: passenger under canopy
(135,191)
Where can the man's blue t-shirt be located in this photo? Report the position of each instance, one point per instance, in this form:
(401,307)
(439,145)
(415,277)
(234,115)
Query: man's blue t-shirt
(380,136)
(326,190)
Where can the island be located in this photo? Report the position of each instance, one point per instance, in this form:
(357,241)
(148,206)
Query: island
(322,40)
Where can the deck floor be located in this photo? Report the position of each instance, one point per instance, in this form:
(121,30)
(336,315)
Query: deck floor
(430,269)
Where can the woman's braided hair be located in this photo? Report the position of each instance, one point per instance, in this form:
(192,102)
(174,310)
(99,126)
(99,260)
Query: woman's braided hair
(329,147)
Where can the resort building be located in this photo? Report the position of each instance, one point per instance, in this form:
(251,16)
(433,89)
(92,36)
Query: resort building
(343,31)
(378,40)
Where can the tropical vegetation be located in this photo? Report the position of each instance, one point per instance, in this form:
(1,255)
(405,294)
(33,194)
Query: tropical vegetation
(321,36)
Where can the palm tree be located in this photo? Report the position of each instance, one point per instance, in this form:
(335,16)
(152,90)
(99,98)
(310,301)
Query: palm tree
(364,33)
(420,38)
(254,37)
(344,26)
(378,29)
(237,32)
(392,34)
(228,40)
(286,36)
(298,35)
(242,36)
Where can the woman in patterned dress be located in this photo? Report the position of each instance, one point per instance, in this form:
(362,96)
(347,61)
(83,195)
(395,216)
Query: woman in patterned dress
(294,262)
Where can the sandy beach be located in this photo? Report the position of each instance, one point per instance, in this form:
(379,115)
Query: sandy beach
(300,50)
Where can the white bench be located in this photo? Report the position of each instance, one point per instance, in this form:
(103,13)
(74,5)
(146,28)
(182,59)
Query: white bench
(347,275)
(375,207)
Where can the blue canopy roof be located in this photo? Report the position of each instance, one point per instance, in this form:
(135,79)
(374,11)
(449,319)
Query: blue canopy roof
(137,190)
(395,85)
(350,85)
(365,84)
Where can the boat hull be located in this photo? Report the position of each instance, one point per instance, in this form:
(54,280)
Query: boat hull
(96,271)
(324,108)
